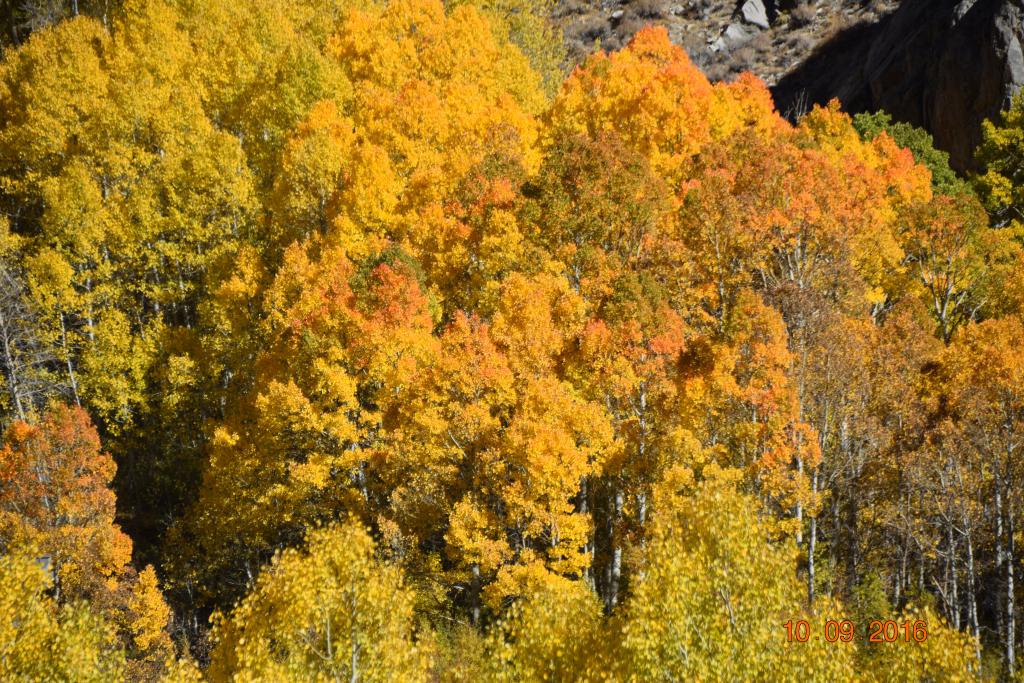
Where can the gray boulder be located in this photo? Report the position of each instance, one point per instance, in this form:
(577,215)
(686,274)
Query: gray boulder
(754,12)
(732,37)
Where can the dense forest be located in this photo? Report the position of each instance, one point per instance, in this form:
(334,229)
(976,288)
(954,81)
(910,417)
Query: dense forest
(358,340)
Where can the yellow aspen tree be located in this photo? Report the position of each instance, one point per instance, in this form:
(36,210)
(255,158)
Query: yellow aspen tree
(40,640)
(327,611)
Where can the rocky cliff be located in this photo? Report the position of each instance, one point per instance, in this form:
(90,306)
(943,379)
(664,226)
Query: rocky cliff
(944,65)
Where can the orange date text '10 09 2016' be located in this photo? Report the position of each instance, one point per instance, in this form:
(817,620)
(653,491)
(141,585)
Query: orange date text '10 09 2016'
(879,631)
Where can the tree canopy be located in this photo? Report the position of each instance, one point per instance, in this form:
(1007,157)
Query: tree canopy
(355,340)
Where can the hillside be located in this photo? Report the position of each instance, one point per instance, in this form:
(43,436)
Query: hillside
(722,37)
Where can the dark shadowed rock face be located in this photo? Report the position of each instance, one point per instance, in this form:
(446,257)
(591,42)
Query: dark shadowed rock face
(945,65)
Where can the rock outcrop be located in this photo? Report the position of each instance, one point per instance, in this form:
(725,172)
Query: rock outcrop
(944,65)
(754,12)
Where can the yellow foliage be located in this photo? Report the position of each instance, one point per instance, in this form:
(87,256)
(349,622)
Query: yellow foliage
(150,612)
(614,339)
(328,612)
(944,654)
(714,593)
(38,640)
(554,633)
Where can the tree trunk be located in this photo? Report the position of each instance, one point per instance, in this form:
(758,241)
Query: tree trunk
(1011,619)
(14,386)
(615,568)
(812,539)
(67,360)
(972,604)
